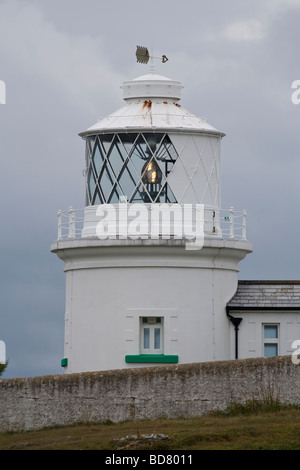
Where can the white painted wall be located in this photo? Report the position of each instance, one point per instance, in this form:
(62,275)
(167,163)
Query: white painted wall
(250,335)
(110,284)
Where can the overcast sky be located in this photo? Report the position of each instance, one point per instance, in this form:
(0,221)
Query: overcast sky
(63,63)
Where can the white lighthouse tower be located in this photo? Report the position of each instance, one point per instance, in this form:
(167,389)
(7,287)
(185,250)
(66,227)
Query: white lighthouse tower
(152,259)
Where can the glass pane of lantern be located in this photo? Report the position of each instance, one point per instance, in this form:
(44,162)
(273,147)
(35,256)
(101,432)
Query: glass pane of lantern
(137,195)
(127,141)
(91,184)
(116,157)
(138,155)
(106,141)
(89,146)
(97,199)
(115,196)
(124,156)
(167,151)
(152,141)
(106,184)
(98,158)
(128,181)
(168,195)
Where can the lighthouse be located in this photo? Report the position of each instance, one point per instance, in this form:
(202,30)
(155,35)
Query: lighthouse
(152,259)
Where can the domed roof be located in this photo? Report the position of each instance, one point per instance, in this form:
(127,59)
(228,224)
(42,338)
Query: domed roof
(152,86)
(151,104)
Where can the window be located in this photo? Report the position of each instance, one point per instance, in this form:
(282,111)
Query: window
(270,340)
(118,165)
(151,343)
(151,335)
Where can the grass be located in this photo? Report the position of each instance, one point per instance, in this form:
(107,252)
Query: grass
(252,426)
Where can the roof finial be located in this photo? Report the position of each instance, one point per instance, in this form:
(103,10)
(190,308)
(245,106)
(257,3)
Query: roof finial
(151,63)
(143,56)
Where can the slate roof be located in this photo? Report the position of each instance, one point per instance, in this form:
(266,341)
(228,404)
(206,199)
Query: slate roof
(266,295)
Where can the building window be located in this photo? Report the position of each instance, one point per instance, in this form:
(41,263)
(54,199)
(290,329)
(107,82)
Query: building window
(151,343)
(270,340)
(151,337)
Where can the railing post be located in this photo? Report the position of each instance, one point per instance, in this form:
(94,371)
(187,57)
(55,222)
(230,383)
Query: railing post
(71,223)
(231,233)
(59,234)
(213,221)
(244,235)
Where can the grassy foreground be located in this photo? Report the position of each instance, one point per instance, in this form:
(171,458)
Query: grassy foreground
(246,427)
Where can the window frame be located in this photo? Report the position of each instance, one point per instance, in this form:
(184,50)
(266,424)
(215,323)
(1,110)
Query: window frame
(270,340)
(152,324)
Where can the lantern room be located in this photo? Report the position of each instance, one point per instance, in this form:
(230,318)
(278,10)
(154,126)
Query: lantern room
(152,150)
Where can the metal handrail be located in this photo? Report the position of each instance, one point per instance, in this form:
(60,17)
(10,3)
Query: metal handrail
(231,223)
(70,223)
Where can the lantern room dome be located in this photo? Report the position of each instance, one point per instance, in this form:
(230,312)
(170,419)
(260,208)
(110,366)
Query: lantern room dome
(152,86)
(151,104)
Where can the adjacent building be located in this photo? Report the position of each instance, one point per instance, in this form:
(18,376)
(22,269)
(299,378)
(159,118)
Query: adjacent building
(266,318)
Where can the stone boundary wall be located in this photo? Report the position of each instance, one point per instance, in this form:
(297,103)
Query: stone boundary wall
(144,393)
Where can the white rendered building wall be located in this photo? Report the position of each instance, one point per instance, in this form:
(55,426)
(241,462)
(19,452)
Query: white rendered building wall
(251,331)
(110,287)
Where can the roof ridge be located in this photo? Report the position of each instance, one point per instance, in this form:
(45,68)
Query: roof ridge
(265,281)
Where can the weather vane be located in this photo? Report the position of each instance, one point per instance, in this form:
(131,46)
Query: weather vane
(143,56)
